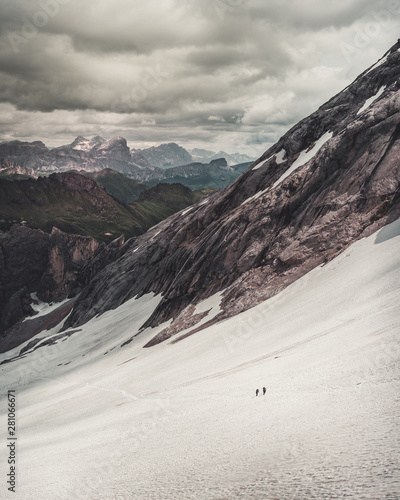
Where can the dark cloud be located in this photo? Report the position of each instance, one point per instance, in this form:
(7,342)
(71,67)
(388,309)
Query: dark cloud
(221,74)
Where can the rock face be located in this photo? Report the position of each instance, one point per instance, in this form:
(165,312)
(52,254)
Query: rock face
(330,180)
(34,261)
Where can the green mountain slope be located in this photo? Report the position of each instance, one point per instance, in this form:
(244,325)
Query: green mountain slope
(163,200)
(77,204)
(118,185)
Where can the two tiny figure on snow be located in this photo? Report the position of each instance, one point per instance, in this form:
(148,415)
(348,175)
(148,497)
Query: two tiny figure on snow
(264,391)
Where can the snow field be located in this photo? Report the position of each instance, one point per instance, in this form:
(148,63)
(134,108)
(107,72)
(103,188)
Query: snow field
(182,421)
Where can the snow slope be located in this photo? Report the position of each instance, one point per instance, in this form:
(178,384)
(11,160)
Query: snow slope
(181,421)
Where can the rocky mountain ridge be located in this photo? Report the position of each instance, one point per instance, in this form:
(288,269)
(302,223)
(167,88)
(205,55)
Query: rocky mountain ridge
(76,204)
(35,261)
(118,185)
(171,155)
(215,175)
(69,201)
(330,180)
(96,155)
(35,159)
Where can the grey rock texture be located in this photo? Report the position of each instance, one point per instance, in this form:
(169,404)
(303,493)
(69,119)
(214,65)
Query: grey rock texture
(34,261)
(260,234)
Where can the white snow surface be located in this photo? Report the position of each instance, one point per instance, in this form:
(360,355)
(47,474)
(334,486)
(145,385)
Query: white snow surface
(255,196)
(181,421)
(212,306)
(187,211)
(304,157)
(371,100)
(155,234)
(44,308)
(83,146)
(279,158)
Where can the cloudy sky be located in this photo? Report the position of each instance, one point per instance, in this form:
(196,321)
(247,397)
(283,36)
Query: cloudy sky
(229,75)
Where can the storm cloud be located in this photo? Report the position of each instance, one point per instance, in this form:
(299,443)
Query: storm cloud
(219,74)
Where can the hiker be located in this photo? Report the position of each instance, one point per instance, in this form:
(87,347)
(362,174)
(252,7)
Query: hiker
(264,391)
(257,391)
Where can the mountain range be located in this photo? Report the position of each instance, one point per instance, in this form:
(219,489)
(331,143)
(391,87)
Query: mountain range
(215,175)
(153,165)
(92,155)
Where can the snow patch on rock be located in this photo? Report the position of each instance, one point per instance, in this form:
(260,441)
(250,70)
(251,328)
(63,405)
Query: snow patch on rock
(371,100)
(212,305)
(304,157)
(43,308)
(256,196)
(187,211)
(279,159)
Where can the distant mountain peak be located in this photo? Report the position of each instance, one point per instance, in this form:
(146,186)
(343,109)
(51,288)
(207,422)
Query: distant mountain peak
(167,155)
(205,156)
(118,138)
(79,139)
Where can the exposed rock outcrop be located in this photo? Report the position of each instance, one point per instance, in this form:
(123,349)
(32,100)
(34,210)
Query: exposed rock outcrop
(34,261)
